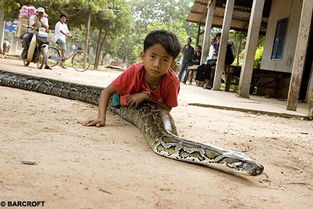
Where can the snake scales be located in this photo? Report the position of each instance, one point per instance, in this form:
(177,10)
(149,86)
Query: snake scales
(156,124)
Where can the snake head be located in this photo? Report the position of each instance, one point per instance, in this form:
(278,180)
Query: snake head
(243,163)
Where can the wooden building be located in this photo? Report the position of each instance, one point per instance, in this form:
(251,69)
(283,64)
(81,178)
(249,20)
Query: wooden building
(288,29)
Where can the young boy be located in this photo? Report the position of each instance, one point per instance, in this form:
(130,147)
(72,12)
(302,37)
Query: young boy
(151,80)
(61,32)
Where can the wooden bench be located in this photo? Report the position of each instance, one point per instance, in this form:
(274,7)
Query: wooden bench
(263,82)
(192,69)
(232,74)
(270,83)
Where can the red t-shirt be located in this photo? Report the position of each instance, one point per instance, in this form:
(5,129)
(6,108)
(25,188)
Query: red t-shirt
(133,81)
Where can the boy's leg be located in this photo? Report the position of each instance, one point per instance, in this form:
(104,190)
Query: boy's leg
(63,57)
(62,46)
(186,75)
(182,70)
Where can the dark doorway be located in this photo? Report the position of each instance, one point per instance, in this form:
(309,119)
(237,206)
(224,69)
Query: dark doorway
(307,68)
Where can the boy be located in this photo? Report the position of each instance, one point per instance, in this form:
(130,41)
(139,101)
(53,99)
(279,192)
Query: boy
(152,80)
(61,32)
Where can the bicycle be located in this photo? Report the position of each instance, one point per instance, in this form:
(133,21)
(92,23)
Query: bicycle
(80,61)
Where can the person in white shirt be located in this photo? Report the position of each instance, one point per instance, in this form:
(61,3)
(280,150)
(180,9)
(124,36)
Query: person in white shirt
(36,21)
(39,20)
(61,32)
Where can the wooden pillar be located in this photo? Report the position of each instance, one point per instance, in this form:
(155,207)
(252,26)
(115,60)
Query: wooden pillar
(208,26)
(198,34)
(250,48)
(310,113)
(310,86)
(300,54)
(1,29)
(220,65)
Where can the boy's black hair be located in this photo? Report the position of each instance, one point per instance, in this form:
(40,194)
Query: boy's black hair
(218,35)
(63,15)
(167,39)
(189,39)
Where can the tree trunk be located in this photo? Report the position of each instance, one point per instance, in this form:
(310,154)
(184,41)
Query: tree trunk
(97,50)
(100,49)
(87,35)
(103,56)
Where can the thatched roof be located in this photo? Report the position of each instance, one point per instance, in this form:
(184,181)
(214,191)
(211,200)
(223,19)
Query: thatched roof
(241,14)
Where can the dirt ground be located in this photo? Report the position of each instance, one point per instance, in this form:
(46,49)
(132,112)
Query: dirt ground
(113,167)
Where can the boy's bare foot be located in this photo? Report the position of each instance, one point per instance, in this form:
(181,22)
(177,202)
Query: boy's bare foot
(62,66)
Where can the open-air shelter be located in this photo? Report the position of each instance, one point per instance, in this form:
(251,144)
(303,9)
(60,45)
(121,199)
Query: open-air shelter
(288,29)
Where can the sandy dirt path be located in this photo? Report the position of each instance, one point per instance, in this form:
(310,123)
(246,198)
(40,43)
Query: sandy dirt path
(113,167)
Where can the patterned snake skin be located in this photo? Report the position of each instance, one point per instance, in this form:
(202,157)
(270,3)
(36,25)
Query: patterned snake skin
(156,124)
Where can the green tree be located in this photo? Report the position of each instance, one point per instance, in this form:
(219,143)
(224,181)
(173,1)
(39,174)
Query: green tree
(151,15)
(120,33)
(112,22)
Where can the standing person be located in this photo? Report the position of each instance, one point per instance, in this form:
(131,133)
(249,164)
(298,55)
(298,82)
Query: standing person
(36,21)
(188,53)
(61,32)
(151,80)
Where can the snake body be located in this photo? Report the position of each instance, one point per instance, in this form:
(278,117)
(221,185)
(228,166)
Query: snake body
(156,124)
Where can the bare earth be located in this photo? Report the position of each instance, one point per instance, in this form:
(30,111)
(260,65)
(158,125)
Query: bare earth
(113,167)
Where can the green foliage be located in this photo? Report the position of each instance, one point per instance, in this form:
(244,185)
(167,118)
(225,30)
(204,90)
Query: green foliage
(11,7)
(125,23)
(150,15)
(235,36)
(259,52)
(258,57)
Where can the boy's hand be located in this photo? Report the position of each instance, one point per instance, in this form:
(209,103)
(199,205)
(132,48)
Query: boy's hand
(94,122)
(136,99)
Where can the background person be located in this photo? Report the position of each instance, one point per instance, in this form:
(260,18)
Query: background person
(61,32)
(36,21)
(188,53)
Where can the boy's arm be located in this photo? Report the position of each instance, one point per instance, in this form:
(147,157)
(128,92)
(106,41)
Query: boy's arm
(164,106)
(103,104)
(136,99)
(161,104)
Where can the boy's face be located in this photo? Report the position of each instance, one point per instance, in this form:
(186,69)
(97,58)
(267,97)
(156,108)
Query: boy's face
(157,61)
(63,19)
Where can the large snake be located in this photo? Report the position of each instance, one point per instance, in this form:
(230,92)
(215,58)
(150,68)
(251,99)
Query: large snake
(156,124)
